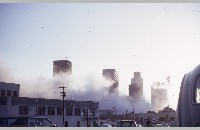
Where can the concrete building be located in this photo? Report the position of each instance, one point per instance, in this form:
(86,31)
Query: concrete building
(106,112)
(77,113)
(62,67)
(9,89)
(136,86)
(112,75)
(159,96)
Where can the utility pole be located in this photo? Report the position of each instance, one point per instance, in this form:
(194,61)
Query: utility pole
(87,118)
(63,103)
(133,113)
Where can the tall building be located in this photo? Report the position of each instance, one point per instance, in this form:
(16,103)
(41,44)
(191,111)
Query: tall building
(112,75)
(136,86)
(62,67)
(159,96)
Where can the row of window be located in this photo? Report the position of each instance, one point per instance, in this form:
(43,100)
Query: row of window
(9,93)
(40,110)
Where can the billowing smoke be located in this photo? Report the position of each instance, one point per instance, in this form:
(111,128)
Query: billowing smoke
(96,88)
(159,96)
(5,73)
(91,88)
(39,88)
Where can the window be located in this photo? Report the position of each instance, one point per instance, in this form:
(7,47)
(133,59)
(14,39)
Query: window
(51,111)
(3,93)
(15,94)
(69,111)
(23,110)
(78,123)
(40,110)
(77,111)
(197,95)
(197,91)
(92,112)
(59,111)
(8,92)
(3,101)
(84,112)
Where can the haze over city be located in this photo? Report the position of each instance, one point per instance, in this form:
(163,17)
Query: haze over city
(158,40)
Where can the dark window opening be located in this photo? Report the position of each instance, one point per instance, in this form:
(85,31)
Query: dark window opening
(92,112)
(84,112)
(77,111)
(3,93)
(40,110)
(69,111)
(15,94)
(8,92)
(23,110)
(51,111)
(59,111)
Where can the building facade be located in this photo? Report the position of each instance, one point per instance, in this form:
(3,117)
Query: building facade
(62,67)
(112,75)
(136,86)
(9,89)
(76,113)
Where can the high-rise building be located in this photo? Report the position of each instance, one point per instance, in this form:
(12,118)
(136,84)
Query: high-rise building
(62,67)
(136,86)
(159,96)
(112,75)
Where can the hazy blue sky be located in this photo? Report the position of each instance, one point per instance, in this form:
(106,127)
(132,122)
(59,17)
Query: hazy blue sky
(156,39)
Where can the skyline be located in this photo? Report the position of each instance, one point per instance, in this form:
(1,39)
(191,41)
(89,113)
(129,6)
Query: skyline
(158,40)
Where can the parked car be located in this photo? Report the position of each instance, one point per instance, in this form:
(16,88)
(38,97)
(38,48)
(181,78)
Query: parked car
(138,125)
(105,125)
(126,123)
(156,125)
(26,121)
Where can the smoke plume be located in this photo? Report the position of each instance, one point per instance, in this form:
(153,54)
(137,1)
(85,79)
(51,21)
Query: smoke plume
(90,88)
(5,72)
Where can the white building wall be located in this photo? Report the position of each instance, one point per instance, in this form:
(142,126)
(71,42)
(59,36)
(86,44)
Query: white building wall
(13,110)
